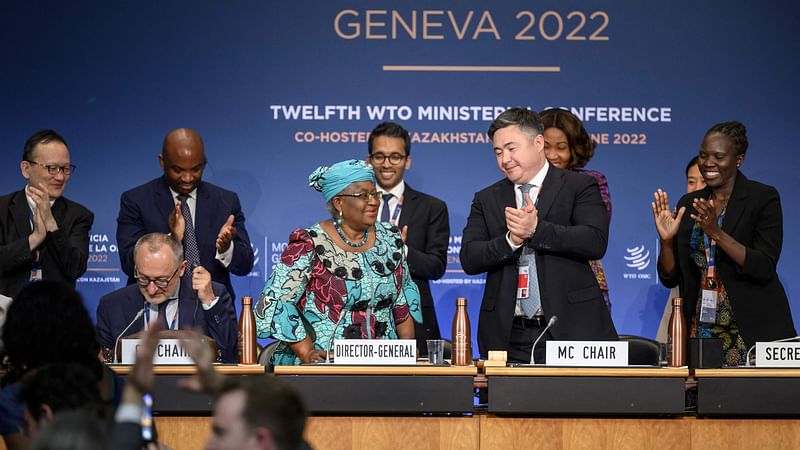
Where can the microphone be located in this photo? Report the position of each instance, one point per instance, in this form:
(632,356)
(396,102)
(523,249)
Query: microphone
(333,334)
(191,268)
(549,324)
(138,315)
(750,350)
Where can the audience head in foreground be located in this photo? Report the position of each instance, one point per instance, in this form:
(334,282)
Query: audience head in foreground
(257,413)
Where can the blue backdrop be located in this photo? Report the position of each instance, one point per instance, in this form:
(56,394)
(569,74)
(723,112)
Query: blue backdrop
(277,88)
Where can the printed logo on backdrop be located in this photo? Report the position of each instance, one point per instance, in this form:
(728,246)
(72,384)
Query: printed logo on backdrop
(103,264)
(637,258)
(454,275)
(256,260)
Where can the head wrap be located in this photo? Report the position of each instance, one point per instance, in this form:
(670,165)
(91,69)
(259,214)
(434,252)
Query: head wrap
(334,179)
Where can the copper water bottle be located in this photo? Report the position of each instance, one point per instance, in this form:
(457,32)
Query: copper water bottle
(248,350)
(677,335)
(462,341)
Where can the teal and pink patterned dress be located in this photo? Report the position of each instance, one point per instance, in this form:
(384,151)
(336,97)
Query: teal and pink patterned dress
(320,290)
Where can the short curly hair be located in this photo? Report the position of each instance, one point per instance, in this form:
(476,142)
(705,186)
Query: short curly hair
(581,146)
(733,130)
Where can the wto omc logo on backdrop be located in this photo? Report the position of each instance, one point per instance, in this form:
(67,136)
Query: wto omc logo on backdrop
(637,261)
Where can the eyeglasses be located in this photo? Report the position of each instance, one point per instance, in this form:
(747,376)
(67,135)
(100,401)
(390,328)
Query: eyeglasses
(54,170)
(364,196)
(159,282)
(394,158)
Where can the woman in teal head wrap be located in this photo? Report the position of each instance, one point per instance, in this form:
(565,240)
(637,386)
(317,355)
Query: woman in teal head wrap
(343,278)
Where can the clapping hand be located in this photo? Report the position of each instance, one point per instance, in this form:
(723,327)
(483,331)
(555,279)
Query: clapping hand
(522,222)
(706,216)
(225,235)
(43,220)
(666,221)
(176,223)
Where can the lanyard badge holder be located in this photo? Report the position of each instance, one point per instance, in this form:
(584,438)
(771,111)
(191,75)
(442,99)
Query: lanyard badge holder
(523,275)
(525,263)
(709,298)
(36,268)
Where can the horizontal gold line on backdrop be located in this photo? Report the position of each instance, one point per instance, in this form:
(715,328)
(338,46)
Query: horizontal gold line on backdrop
(472,68)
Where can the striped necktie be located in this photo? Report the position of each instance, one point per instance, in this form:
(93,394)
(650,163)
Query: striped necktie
(531,303)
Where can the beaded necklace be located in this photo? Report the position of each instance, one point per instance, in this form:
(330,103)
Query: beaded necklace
(347,241)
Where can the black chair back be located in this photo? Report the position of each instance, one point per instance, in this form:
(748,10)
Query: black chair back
(642,351)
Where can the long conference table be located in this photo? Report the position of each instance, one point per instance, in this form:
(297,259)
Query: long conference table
(528,407)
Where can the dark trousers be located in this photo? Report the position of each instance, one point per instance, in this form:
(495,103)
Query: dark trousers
(522,338)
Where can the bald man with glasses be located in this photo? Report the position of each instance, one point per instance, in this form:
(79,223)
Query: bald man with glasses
(43,235)
(165,296)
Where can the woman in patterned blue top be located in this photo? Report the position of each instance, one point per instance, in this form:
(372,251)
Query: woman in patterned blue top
(345,277)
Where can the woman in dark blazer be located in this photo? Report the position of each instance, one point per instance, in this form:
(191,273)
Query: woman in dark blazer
(740,223)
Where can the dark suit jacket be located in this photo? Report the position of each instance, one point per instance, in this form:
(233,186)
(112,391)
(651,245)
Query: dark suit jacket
(146,209)
(117,309)
(427,240)
(754,219)
(63,254)
(572,229)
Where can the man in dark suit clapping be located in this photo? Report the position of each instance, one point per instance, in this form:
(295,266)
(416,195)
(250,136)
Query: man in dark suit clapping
(43,235)
(207,219)
(533,234)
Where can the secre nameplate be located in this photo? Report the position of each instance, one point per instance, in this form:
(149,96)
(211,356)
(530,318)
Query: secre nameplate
(777,354)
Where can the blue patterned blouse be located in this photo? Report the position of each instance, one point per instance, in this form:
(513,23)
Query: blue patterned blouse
(320,290)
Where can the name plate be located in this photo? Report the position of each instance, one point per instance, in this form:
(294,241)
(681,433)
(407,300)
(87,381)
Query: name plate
(586,353)
(375,351)
(777,354)
(169,351)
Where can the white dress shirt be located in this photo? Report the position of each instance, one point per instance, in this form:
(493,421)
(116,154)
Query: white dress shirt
(397,193)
